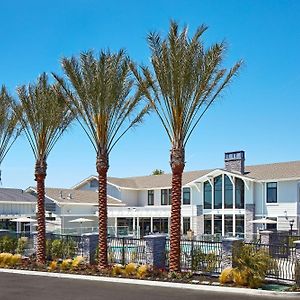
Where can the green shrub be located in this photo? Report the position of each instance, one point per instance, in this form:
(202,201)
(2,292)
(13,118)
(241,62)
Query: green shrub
(8,244)
(205,262)
(60,249)
(251,266)
(21,244)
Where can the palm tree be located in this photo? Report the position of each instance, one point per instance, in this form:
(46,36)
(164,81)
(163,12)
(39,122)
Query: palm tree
(44,116)
(9,126)
(108,105)
(187,79)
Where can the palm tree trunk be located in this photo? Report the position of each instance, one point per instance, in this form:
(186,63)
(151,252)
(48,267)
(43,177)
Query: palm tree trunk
(177,166)
(102,168)
(40,175)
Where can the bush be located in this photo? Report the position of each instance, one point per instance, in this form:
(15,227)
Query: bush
(130,269)
(205,262)
(66,264)
(8,244)
(77,261)
(58,249)
(226,276)
(117,270)
(53,265)
(251,267)
(21,244)
(142,271)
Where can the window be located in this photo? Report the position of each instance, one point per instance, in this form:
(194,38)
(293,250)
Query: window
(207,195)
(239,193)
(207,224)
(272,192)
(218,224)
(228,194)
(218,192)
(151,197)
(186,196)
(228,225)
(166,197)
(239,225)
(272,226)
(186,224)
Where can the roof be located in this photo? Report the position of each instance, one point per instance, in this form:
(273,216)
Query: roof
(16,195)
(155,181)
(264,172)
(281,170)
(65,196)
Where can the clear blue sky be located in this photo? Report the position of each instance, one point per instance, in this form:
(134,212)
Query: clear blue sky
(259,113)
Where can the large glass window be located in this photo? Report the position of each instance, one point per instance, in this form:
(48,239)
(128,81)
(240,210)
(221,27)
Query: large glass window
(239,225)
(218,192)
(160,225)
(166,197)
(218,224)
(186,195)
(207,224)
(228,225)
(151,197)
(186,225)
(207,195)
(272,192)
(239,193)
(228,194)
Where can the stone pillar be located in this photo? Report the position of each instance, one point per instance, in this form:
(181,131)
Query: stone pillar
(89,246)
(249,229)
(156,250)
(265,237)
(297,263)
(229,245)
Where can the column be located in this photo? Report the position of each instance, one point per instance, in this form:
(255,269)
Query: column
(133,226)
(229,245)
(249,216)
(151,224)
(116,226)
(265,237)
(297,263)
(156,250)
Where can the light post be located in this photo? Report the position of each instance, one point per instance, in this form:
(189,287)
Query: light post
(291,226)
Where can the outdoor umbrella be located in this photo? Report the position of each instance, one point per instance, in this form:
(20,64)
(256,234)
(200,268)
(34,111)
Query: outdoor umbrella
(81,220)
(263,221)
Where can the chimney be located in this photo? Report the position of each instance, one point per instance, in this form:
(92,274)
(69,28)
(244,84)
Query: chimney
(235,162)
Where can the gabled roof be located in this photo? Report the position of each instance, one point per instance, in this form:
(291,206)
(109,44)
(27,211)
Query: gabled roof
(71,196)
(78,196)
(265,172)
(16,195)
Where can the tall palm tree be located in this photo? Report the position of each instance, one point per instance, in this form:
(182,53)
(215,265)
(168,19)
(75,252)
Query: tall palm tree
(108,104)
(9,126)
(44,116)
(187,78)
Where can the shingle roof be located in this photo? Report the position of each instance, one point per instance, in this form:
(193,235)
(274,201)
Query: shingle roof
(16,195)
(282,170)
(155,181)
(78,196)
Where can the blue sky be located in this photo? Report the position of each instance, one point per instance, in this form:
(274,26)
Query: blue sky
(258,114)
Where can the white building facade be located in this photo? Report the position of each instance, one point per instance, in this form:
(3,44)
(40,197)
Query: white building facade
(219,201)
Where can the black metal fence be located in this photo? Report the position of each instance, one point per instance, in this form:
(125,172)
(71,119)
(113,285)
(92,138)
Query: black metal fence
(283,258)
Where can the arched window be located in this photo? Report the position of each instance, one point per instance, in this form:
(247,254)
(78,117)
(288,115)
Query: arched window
(207,195)
(218,192)
(228,195)
(239,193)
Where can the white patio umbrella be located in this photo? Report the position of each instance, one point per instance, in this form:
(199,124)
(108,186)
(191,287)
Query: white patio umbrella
(81,220)
(263,221)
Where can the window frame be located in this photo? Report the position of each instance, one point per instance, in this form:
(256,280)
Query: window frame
(168,195)
(186,190)
(150,196)
(211,195)
(271,188)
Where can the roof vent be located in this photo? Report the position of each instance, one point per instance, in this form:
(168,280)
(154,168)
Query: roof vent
(235,161)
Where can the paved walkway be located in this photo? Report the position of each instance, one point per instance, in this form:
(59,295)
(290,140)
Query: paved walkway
(24,287)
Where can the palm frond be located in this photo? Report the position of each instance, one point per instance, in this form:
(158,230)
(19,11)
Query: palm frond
(186,79)
(10,127)
(103,92)
(44,115)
